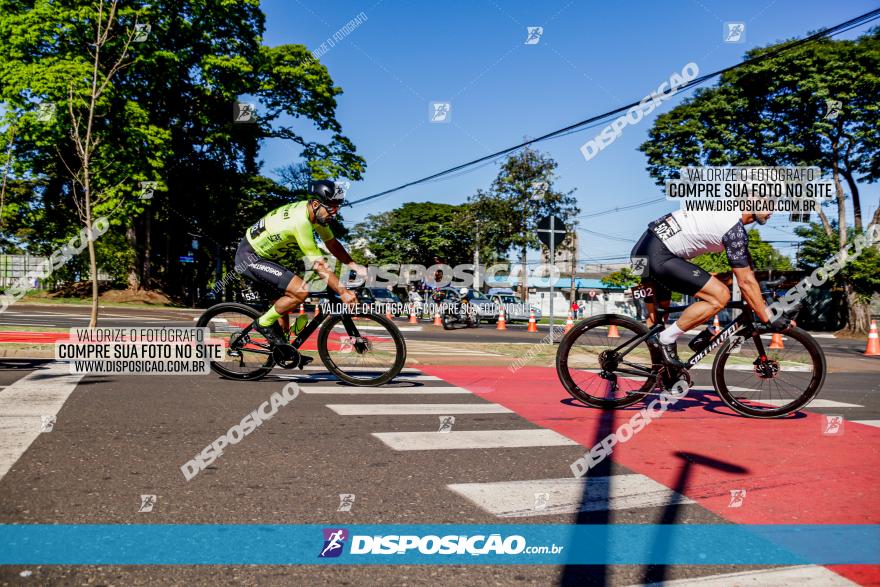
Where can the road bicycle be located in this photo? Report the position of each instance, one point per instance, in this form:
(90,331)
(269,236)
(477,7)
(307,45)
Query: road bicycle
(361,348)
(605,362)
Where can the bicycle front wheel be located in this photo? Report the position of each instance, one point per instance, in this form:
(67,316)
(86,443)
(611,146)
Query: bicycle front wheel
(362,349)
(787,381)
(593,372)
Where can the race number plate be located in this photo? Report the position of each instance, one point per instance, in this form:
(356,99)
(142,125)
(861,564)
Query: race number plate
(641,292)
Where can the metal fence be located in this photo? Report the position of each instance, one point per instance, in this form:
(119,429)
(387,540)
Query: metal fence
(14,267)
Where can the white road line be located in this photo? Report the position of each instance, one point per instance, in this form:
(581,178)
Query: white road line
(516,499)
(415,409)
(783,368)
(316,376)
(352,390)
(22,405)
(874,423)
(471,439)
(816,403)
(803,576)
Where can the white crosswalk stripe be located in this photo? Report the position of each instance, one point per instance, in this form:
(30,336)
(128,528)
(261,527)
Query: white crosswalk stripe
(425,348)
(23,405)
(802,576)
(473,439)
(520,499)
(415,409)
(816,403)
(352,390)
(874,423)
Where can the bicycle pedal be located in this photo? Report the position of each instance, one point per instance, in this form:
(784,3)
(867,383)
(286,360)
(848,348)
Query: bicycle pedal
(304,360)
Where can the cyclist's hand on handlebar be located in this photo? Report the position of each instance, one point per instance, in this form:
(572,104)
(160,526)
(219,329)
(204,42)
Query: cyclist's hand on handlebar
(780,324)
(348,297)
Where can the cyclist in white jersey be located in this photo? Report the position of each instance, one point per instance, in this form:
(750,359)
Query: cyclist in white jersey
(664,251)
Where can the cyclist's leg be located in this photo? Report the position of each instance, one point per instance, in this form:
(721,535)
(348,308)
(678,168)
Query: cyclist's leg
(713,298)
(272,275)
(661,298)
(681,275)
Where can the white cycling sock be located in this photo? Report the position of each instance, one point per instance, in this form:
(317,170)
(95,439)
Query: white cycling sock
(671,334)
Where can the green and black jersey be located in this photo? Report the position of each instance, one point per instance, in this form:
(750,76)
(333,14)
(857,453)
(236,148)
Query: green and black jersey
(280,232)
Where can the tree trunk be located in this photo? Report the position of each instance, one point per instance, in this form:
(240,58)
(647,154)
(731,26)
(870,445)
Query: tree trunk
(134,281)
(858,312)
(148,250)
(93,261)
(857,202)
(523,278)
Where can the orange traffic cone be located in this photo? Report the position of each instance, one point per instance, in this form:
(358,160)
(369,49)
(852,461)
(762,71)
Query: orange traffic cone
(569,323)
(317,310)
(716,325)
(873,348)
(412,315)
(502,323)
(533,325)
(612,331)
(776,341)
(437,320)
(302,309)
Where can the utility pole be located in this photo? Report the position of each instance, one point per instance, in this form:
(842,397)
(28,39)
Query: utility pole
(477,260)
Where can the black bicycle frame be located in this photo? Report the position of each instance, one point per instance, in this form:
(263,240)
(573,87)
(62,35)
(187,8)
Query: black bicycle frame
(744,320)
(312,326)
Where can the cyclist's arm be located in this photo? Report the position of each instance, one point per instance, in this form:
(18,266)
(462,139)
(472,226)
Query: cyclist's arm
(751,291)
(335,247)
(736,245)
(315,258)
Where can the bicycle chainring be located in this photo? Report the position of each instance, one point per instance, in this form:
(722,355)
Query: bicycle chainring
(286,356)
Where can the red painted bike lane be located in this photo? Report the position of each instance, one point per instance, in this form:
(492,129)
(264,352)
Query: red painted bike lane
(792,473)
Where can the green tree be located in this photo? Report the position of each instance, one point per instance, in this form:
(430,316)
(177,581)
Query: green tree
(417,232)
(764,256)
(168,117)
(774,113)
(520,195)
(863,272)
(623,277)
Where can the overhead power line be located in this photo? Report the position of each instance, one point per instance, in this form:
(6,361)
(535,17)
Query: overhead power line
(836,29)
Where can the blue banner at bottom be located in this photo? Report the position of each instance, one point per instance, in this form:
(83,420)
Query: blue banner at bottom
(173,544)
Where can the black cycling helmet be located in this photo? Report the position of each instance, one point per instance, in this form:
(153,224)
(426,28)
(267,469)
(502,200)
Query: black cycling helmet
(327,192)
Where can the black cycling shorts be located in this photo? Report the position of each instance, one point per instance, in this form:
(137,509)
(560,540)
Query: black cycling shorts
(665,271)
(263,271)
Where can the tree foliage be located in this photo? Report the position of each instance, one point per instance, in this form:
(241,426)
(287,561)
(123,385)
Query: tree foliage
(777,112)
(417,232)
(764,256)
(863,272)
(623,277)
(167,117)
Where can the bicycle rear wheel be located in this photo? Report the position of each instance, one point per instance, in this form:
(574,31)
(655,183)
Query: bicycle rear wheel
(246,353)
(589,371)
(362,349)
(790,379)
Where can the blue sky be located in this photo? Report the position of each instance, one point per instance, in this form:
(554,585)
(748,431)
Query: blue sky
(592,57)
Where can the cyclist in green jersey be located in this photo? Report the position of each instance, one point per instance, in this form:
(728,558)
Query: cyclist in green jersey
(282,231)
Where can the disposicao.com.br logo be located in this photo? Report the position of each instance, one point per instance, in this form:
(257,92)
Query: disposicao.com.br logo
(476,545)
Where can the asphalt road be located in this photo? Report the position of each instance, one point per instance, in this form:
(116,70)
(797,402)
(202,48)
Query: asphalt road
(116,438)
(70,316)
